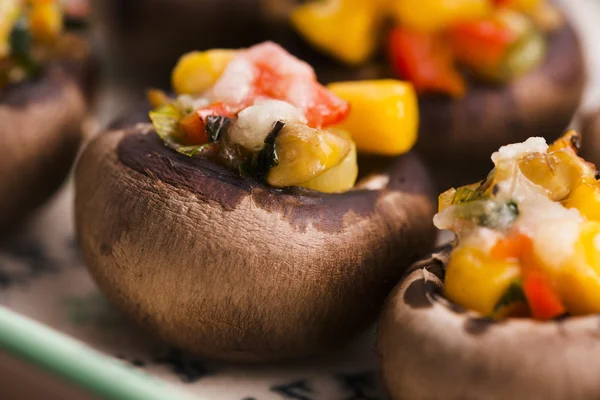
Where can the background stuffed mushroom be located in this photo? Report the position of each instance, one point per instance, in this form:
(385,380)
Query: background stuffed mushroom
(524,78)
(519,285)
(44,78)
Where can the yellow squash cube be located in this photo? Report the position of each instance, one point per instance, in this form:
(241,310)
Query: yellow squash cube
(339,178)
(45,21)
(9,12)
(197,71)
(346,29)
(578,281)
(305,153)
(586,198)
(384,115)
(477,281)
(526,5)
(433,15)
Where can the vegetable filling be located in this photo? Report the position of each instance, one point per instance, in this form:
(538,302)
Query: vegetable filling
(260,111)
(528,235)
(31,35)
(495,40)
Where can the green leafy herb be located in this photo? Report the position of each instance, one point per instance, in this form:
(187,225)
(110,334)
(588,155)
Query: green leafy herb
(267,157)
(513,294)
(216,125)
(20,42)
(165,120)
(466,194)
(500,217)
(20,38)
(488,213)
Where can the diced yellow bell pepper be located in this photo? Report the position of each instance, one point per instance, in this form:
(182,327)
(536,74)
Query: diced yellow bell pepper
(45,21)
(525,5)
(434,15)
(586,198)
(340,178)
(578,281)
(9,12)
(197,71)
(384,115)
(346,29)
(304,153)
(477,281)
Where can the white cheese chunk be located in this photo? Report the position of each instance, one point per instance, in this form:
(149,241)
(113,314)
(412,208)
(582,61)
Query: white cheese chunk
(256,122)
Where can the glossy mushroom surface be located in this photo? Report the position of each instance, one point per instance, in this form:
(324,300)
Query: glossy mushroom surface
(432,349)
(232,269)
(39,137)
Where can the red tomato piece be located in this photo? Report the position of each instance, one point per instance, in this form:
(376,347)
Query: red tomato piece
(481,44)
(426,60)
(543,300)
(193,126)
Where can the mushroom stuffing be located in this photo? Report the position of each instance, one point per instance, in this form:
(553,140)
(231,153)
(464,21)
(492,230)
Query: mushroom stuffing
(510,309)
(261,111)
(528,236)
(496,40)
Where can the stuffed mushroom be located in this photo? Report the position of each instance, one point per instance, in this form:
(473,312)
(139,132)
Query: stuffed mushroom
(510,310)
(487,72)
(42,104)
(234,226)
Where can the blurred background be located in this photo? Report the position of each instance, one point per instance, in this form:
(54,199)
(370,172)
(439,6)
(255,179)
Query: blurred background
(137,43)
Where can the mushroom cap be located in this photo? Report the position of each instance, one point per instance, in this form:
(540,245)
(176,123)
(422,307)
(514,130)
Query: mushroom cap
(430,348)
(590,130)
(39,137)
(233,269)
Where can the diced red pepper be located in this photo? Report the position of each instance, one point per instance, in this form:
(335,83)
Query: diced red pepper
(193,126)
(511,247)
(543,300)
(481,44)
(426,60)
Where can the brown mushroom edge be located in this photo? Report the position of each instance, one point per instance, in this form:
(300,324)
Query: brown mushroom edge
(232,269)
(590,130)
(39,137)
(430,348)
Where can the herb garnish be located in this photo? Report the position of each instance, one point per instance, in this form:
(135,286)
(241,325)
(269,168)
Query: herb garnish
(267,157)
(216,125)
(513,294)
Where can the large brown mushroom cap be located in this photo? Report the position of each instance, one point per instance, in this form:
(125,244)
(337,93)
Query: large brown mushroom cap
(39,137)
(432,349)
(232,269)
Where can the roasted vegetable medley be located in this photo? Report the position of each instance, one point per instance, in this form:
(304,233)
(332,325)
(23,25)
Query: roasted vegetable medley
(528,235)
(261,111)
(31,34)
(495,40)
